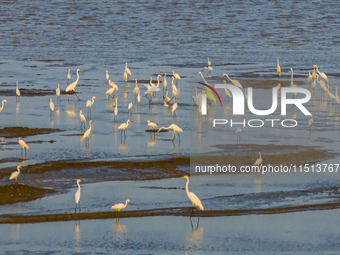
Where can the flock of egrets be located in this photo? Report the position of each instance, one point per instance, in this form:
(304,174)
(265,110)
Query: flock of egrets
(151,89)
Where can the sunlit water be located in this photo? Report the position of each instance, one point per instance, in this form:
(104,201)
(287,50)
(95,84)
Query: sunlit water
(41,40)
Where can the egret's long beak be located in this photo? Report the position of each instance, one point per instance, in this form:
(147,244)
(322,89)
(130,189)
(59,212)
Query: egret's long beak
(7,102)
(96,98)
(182,177)
(161,76)
(81,70)
(158,131)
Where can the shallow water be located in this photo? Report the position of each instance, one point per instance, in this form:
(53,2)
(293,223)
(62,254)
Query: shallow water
(41,40)
(265,234)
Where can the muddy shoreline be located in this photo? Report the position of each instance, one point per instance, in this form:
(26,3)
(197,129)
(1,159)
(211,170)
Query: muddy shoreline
(176,211)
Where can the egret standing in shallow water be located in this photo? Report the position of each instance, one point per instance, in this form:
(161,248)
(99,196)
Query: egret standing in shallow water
(176,76)
(235,82)
(238,132)
(70,88)
(87,134)
(23,145)
(107,75)
(258,161)
(68,76)
(120,206)
(151,124)
(82,118)
(323,75)
(89,104)
(124,126)
(15,175)
(17,91)
(77,196)
(51,104)
(278,68)
(57,92)
(129,108)
(196,202)
(2,104)
(173,109)
(175,128)
(310,122)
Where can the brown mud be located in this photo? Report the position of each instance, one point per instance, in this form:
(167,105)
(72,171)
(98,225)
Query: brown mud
(13,132)
(175,211)
(14,193)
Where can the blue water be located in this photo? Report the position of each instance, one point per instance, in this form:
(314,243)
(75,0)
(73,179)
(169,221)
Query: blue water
(42,39)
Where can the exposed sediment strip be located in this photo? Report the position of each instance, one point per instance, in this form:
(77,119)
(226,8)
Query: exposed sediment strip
(176,211)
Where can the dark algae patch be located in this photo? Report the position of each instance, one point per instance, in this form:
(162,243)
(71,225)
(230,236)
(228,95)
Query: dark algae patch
(12,132)
(14,193)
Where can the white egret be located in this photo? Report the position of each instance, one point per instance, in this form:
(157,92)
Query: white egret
(174,108)
(2,104)
(196,202)
(176,76)
(238,131)
(209,63)
(71,88)
(150,91)
(173,85)
(23,145)
(166,99)
(209,68)
(174,93)
(127,69)
(235,82)
(158,80)
(165,83)
(258,161)
(130,107)
(87,133)
(89,103)
(175,128)
(77,196)
(331,95)
(68,76)
(15,175)
(107,75)
(278,87)
(51,104)
(151,124)
(113,85)
(136,88)
(203,78)
(313,74)
(125,76)
(323,75)
(57,91)
(17,91)
(124,126)
(110,91)
(309,77)
(314,83)
(120,206)
(116,108)
(310,122)
(82,118)
(152,85)
(278,68)
(321,83)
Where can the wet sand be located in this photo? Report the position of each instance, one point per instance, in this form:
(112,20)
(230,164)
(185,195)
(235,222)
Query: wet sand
(15,193)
